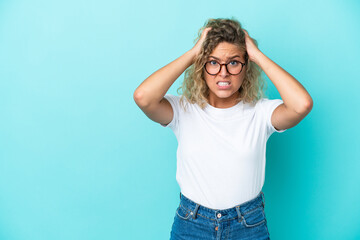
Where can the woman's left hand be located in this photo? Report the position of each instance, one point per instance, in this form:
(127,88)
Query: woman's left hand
(251,48)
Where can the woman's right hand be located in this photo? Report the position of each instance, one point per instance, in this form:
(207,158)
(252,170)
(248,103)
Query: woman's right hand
(197,48)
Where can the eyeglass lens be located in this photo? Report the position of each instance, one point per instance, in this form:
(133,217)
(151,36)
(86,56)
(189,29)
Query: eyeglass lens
(213,67)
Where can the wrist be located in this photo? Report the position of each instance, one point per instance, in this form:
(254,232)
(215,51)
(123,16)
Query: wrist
(192,53)
(256,57)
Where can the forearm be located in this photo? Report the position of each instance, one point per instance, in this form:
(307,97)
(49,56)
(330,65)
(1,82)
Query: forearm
(154,88)
(293,94)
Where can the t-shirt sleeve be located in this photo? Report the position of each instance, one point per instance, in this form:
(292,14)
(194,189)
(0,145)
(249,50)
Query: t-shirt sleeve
(175,104)
(267,107)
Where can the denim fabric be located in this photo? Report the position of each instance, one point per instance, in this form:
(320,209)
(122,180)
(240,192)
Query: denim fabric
(244,221)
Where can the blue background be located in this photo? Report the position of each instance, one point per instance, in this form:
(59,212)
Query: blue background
(80,160)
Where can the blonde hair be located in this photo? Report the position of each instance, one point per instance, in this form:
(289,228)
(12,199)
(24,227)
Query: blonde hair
(194,87)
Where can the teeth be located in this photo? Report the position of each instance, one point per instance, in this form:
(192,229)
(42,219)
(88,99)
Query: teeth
(223,83)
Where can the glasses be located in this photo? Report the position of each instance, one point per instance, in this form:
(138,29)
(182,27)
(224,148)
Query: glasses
(213,67)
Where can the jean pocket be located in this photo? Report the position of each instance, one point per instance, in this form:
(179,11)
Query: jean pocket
(183,213)
(254,217)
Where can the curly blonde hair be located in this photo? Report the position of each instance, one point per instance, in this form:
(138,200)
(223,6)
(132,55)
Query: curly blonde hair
(194,86)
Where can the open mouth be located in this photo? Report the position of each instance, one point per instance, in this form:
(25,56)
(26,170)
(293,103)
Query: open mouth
(223,83)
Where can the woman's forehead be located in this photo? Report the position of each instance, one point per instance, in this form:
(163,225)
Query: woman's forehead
(227,58)
(225,50)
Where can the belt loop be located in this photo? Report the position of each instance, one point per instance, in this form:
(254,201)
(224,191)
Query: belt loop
(195,210)
(239,213)
(263,199)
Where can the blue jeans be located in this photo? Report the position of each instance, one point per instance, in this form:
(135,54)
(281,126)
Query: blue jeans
(244,221)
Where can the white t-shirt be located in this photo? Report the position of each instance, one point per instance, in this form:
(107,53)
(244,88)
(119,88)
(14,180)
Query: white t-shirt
(221,151)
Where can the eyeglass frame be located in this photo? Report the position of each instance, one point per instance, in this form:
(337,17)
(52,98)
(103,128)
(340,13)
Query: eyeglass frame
(221,64)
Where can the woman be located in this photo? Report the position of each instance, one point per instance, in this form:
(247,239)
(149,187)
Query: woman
(222,123)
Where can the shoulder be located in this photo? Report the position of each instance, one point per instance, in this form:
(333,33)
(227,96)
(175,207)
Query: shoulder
(266,103)
(177,101)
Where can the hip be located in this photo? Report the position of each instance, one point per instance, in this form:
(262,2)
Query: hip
(243,221)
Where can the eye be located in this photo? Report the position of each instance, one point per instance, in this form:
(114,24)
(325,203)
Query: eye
(213,62)
(234,63)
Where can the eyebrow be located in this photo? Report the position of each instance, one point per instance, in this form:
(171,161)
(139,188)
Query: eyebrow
(228,58)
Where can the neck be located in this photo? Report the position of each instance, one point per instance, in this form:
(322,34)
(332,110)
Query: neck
(223,102)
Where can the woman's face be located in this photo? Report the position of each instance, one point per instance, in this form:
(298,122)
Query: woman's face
(224,96)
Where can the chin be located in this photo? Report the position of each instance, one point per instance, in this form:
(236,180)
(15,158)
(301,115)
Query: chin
(224,94)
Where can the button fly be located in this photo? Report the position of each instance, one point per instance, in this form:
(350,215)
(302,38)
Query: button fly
(219,215)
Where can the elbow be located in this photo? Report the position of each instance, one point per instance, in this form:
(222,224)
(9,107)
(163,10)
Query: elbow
(306,107)
(139,99)
(309,105)
(137,96)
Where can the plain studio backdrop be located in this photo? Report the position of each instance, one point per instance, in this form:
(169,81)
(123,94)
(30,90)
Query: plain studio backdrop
(80,160)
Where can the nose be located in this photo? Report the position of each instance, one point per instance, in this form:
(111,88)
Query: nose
(223,71)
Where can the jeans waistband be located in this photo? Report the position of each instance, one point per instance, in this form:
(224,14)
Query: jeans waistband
(224,214)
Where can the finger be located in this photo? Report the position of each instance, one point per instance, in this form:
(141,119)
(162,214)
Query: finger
(206,30)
